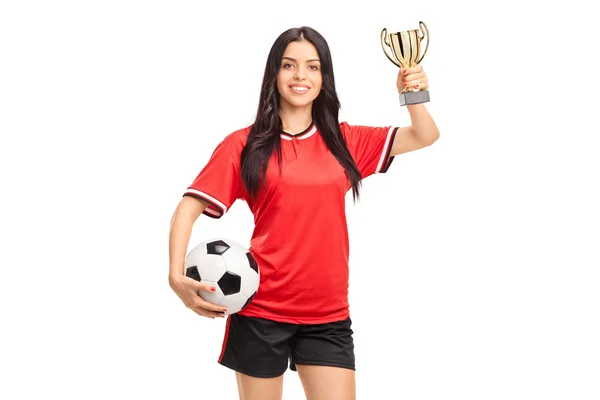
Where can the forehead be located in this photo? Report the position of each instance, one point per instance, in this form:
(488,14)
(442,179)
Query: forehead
(301,50)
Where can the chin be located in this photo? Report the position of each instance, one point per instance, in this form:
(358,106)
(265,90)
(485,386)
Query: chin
(301,102)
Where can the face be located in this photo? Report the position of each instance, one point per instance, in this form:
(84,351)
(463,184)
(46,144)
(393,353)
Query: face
(299,79)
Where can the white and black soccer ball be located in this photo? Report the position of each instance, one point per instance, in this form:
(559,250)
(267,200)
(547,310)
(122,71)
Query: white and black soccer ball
(228,266)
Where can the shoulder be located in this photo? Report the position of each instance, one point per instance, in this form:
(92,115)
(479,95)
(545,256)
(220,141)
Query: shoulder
(349,132)
(345,128)
(238,137)
(235,141)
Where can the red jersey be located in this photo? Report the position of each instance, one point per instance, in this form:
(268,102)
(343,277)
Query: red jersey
(300,238)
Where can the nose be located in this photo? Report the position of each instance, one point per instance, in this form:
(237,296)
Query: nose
(300,74)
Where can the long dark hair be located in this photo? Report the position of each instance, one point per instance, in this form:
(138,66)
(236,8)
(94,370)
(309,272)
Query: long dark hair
(265,133)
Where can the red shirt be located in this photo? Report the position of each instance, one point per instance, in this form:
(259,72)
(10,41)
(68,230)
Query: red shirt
(300,238)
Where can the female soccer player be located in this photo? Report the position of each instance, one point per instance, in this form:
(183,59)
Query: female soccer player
(293,167)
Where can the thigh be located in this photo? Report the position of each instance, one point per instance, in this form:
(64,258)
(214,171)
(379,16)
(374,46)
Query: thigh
(327,383)
(330,344)
(256,347)
(252,388)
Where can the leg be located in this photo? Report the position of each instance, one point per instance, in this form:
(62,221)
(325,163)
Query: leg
(258,351)
(327,383)
(251,388)
(323,355)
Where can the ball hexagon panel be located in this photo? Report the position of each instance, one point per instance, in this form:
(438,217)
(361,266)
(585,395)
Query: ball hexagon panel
(249,301)
(211,267)
(234,303)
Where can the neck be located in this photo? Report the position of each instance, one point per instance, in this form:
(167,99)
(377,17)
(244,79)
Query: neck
(296,120)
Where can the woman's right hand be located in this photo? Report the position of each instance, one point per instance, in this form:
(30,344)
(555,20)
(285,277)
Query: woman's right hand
(187,290)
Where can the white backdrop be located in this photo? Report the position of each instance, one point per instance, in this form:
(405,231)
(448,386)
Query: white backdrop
(474,262)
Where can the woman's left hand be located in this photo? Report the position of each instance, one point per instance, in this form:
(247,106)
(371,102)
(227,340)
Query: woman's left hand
(409,78)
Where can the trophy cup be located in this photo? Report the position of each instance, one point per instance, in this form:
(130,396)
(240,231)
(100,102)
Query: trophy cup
(405,49)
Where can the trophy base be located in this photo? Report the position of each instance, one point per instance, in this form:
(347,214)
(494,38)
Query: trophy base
(408,98)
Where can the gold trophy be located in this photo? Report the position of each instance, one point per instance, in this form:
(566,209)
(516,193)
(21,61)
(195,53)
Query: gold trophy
(406,53)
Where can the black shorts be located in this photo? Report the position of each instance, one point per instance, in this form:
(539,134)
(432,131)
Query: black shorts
(262,348)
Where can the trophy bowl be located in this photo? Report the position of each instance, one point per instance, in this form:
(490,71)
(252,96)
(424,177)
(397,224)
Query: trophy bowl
(403,49)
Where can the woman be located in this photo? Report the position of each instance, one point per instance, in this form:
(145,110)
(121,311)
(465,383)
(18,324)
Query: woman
(300,314)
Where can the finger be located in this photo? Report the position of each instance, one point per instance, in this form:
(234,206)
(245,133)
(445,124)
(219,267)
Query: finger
(400,79)
(200,302)
(416,80)
(205,287)
(209,314)
(417,84)
(421,85)
(411,84)
(410,78)
(201,313)
(406,71)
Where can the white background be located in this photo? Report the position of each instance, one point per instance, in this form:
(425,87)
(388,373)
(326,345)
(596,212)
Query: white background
(474,262)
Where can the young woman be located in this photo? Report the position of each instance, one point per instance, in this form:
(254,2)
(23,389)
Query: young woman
(293,167)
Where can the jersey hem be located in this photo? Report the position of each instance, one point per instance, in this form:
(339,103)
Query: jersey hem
(298,320)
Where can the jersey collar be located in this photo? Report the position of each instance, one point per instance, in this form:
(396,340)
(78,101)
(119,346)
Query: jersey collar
(308,132)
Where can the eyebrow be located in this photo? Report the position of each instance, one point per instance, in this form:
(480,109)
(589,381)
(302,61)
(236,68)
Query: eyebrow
(294,60)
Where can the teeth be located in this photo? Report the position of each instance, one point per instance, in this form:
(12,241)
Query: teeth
(300,89)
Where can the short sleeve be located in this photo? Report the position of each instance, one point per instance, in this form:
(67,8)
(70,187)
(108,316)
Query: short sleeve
(218,184)
(370,147)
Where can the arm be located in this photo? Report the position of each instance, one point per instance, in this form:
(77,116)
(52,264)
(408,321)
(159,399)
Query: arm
(423,131)
(187,212)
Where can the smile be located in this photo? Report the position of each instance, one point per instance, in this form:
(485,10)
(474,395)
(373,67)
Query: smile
(299,89)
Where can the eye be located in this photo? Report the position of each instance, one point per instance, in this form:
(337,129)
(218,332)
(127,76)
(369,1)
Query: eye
(287,66)
(313,67)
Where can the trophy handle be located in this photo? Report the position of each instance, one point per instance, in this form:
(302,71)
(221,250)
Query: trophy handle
(385,42)
(425,35)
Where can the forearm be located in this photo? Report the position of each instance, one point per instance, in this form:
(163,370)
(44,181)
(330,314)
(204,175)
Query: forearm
(182,222)
(423,126)
(179,237)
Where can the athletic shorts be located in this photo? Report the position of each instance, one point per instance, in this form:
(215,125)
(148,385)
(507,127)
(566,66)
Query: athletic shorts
(263,348)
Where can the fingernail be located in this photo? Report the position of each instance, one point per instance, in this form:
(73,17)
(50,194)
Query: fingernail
(405,84)
(416,86)
(213,289)
(405,72)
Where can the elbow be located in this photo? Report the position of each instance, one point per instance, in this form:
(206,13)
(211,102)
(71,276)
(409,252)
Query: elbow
(435,135)
(430,137)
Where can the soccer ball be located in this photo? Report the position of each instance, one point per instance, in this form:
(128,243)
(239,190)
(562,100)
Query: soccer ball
(229,267)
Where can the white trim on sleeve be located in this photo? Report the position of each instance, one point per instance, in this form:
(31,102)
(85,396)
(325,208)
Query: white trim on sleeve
(209,197)
(385,150)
